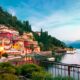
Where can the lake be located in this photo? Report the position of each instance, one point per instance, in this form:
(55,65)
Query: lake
(72,58)
(62,70)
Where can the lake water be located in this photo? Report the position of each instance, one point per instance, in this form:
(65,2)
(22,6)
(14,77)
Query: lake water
(72,58)
(68,59)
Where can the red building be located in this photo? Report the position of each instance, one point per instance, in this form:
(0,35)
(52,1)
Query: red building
(26,43)
(6,34)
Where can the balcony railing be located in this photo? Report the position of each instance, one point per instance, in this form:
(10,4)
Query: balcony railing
(64,70)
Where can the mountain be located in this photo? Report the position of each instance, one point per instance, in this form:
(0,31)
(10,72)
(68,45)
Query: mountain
(68,42)
(75,44)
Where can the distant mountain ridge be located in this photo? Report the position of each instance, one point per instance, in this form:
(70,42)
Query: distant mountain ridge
(75,44)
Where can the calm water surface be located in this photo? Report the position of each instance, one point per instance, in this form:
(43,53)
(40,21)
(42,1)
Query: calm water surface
(68,59)
(72,58)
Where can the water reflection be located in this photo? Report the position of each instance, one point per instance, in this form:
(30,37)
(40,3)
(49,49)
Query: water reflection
(72,58)
(64,70)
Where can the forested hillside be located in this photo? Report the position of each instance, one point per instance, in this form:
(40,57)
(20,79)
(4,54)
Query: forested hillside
(12,21)
(46,41)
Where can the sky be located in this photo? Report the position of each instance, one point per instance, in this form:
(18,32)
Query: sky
(61,18)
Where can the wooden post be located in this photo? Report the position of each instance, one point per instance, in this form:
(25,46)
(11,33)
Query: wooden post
(69,70)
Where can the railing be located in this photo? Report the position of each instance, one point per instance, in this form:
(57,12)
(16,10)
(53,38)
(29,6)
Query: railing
(58,69)
(64,70)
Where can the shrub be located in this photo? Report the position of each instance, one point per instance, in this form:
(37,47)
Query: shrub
(7,68)
(7,76)
(41,76)
(28,69)
(5,55)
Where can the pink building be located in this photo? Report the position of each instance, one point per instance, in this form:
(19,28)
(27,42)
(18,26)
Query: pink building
(6,34)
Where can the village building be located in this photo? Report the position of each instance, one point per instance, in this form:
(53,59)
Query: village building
(12,43)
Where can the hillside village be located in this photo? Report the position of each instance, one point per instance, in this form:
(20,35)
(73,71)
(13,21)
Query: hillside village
(18,38)
(39,40)
(12,43)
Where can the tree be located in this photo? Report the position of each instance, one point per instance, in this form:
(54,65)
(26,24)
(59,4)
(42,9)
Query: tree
(12,21)
(27,26)
(71,47)
(53,53)
(7,68)
(48,41)
(41,76)
(32,47)
(5,55)
(7,76)
(28,69)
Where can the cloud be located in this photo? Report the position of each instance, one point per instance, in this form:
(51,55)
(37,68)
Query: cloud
(63,24)
(68,32)
(25,12)
(55,20)
(12,11)
(64,27)
(60,18)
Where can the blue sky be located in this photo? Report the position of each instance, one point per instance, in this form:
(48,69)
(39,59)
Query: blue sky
(61,18)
